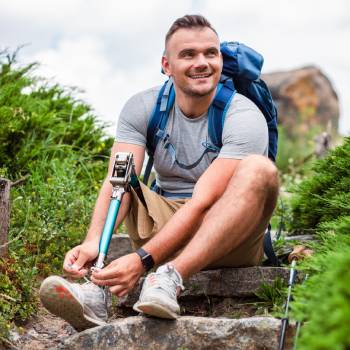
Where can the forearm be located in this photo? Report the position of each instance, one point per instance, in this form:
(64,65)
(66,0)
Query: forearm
(176,233)
(101,209)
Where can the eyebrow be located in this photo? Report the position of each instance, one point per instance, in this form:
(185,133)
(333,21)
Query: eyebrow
(189,51)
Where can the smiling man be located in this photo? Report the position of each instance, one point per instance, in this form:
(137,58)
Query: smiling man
(213,214)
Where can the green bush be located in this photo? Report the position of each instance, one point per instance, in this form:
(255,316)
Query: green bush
(324,196)
(294,152)
(322,205)
(324,299)
(41,120)
(55,143)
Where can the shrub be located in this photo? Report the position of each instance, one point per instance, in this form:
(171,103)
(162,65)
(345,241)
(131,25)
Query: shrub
(322,204)
(55,141)
(324,196)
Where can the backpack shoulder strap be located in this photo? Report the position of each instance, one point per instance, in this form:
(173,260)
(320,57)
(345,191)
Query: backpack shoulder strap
(218,110)
(157,123)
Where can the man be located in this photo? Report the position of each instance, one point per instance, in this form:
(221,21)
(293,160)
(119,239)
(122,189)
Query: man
(233,194)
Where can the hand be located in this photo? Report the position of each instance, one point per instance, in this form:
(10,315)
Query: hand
(120,275)
(76,260)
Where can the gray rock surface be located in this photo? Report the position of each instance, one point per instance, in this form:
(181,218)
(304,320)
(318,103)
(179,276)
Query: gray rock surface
(305,97)
(134,333)
(227,283)
(120,245)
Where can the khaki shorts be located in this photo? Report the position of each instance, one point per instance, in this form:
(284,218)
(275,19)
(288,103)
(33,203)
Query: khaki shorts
(144,222)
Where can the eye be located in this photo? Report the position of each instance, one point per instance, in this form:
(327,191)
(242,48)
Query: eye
(212,53)
(187,54)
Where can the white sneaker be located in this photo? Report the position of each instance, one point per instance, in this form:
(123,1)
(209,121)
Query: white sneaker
(159,293)
(82,305)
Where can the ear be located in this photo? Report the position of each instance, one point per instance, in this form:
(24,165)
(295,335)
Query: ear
(166,66)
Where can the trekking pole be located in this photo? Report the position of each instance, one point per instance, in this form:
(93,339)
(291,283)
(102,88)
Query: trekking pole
(298,253)
(285,319)
(123,171)
(298,325)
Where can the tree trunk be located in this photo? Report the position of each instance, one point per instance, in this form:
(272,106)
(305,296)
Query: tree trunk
(4,215)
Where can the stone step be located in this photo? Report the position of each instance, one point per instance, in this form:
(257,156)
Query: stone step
(120,245)
(224,283)
(136,333)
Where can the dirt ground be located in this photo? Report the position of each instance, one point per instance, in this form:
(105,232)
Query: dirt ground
(44,331)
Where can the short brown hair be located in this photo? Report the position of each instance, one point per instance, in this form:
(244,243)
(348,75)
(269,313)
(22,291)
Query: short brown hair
(188,21)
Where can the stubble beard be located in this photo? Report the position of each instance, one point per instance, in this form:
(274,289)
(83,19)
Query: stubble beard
(194,93)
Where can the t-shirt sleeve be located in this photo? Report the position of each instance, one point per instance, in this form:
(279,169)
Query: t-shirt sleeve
(245,130)
(133,119)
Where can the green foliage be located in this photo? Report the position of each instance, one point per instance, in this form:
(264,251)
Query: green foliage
(40,120)
(322,205)
(324,299)
(17,299)
(325,196)
(273,295)
(294,152)
(55,142)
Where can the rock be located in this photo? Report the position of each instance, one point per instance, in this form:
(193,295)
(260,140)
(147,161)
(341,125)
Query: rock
(227,282)
(120,245)
(305,98)
(301,238)
(134,333)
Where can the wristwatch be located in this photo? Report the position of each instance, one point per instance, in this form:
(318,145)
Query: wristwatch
(146,259)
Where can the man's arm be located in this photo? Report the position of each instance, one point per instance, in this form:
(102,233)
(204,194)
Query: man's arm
(122,274)
(76,258)
(181,227)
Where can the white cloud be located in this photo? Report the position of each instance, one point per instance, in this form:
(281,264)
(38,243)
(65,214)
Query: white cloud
(112,48)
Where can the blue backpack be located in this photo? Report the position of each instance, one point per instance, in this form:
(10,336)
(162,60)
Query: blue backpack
(241,71)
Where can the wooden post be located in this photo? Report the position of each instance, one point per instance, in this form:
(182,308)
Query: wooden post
(4,215)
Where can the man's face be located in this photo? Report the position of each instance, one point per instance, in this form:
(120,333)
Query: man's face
(194,61)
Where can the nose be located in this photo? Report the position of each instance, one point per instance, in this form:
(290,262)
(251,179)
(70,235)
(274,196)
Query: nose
(201,62)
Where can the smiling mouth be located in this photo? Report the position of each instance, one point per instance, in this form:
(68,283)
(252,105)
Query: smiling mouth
(200,76)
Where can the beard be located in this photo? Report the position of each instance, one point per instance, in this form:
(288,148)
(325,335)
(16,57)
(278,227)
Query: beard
(197,92)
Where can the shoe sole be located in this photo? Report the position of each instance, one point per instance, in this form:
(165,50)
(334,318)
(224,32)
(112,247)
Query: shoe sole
(60,299)
(154,309)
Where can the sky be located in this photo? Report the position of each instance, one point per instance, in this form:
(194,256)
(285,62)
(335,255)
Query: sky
(111,49)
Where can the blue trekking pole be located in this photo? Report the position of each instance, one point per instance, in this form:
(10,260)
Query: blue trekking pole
(123,173)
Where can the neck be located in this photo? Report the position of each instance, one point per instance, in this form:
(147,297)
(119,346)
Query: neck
(193,106)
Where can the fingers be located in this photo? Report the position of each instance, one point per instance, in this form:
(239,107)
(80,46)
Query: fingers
(103,282)
(109,272)
(117,286)
(119,290)
(70,259)
(74,263)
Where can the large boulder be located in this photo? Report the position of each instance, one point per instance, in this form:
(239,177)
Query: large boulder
(305,98)
(136,333)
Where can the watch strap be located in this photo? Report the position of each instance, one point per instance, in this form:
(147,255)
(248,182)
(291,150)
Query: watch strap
(146,259)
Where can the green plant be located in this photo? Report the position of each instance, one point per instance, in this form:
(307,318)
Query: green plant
(273,295)
(56,143)
(325,195)
(324,299)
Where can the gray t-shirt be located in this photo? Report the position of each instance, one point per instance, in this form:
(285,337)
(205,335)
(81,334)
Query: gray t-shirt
(245,132)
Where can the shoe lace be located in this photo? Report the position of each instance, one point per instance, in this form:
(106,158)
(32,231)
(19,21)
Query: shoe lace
(164,281)
(87,286)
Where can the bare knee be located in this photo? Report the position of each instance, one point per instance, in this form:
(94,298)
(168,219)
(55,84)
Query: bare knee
(259,170)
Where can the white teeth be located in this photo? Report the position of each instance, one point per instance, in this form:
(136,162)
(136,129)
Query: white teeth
(200,76)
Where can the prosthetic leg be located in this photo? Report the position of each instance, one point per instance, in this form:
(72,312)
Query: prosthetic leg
(123,175)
